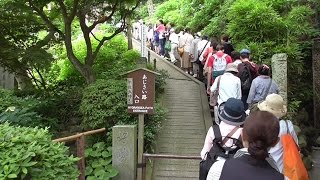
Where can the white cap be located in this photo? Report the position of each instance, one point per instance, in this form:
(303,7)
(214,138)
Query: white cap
(199,34)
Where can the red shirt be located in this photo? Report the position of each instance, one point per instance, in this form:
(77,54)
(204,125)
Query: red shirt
(219,54)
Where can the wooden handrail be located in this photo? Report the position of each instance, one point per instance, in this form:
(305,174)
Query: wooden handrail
(75,137)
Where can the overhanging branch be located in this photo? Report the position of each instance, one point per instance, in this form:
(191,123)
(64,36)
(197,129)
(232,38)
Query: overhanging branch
(104,18)
(46,19)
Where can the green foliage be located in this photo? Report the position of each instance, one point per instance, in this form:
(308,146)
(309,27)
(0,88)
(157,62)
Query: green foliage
(26,117)
(104,104)
(8,99)
(98,162)
(29,153)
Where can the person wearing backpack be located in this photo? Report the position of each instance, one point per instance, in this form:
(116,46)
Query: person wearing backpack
(217,64)
(223,140)
(261,86)
(287,158)
(248,70)
(258,135)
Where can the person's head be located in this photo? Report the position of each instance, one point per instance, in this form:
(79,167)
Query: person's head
(160,21)
(264,70)
(172,30)
(187,30)
(213,44)
(245,54)
(232,68)
(198,34)
(220,47)
(232,112)
(274,104)
(224,38)
(260,133)
(235,55)
(205,37)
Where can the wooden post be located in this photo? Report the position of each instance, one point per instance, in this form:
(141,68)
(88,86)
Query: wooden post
(154,64)
(80,154)
(140,144)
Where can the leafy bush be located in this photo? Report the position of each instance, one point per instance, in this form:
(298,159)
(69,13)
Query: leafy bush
(29,153)
(104,104)
(98,162)
(26,117)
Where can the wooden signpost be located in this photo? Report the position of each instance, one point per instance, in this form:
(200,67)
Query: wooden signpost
(140,100)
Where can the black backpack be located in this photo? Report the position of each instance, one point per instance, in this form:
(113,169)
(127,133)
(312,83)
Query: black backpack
(217,151)
(246,79)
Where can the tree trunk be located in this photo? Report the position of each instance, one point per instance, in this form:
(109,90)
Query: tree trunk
(24,81)
(88,74)
(129,33)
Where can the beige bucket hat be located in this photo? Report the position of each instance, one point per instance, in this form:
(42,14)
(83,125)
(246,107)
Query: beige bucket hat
(274,104)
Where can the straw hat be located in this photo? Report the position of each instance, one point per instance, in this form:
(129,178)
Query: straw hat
(274,104)
(231,67)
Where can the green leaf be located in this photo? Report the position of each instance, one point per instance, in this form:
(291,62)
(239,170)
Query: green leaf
(11,176)
(24,170)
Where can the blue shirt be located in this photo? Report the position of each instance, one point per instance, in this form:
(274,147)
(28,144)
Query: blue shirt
(259,87)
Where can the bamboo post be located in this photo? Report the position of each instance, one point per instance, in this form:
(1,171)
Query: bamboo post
(80,154)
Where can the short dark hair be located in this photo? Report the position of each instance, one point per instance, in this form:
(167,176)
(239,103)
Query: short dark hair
(161,21)
(220,47)
(260,130)
(213,43)
(244,56)
(235,55)
(264,70)
(225,38)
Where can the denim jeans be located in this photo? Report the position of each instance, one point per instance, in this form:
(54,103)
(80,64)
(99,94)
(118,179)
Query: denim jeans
(162,43)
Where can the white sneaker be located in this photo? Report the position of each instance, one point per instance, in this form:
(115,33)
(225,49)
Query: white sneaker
(195,75)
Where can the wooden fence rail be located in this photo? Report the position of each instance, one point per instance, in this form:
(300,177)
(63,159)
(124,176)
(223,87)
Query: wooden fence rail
(80,143)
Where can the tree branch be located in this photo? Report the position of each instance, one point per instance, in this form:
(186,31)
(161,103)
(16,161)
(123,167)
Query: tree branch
(74,10)
(63,11)
(45,40)
(86,36)
(104,18)
(46,19)
(95,37)
(123,18)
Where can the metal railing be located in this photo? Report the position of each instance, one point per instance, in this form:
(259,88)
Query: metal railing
(146,156)
(80,142)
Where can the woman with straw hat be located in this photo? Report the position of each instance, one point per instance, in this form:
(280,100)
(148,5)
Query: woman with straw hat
(275,104)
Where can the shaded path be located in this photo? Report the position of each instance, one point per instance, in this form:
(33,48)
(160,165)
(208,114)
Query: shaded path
(187,122)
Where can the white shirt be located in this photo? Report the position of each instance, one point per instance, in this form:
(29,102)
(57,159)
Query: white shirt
(230,86)
(201,45)
(237,62)
(174,38)
(225,129)
(276,152)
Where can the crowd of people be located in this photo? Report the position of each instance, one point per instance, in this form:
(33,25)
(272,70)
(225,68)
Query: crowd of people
(245,100)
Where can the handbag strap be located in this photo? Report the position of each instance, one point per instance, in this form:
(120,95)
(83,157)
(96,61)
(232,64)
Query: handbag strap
(203,49)
(218,85)
(229,135)
(268,89)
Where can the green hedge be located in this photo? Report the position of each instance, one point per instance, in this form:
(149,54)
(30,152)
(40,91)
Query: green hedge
(30,153)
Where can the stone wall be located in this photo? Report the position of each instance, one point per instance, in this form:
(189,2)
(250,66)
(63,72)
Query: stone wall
(6,79)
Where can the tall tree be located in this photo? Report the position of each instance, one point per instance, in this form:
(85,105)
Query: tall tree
(90,13)
(22,52)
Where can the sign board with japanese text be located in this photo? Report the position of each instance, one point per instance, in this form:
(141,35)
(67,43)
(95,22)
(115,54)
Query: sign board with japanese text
(141,91)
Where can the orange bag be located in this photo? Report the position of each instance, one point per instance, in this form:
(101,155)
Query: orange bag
(293,166)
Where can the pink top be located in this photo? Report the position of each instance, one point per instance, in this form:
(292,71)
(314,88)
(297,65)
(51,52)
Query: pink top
(225,129)
(161,28)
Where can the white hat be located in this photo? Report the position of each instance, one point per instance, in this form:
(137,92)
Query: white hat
(199,34)
(231,67)
(274,104)
(172,30)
